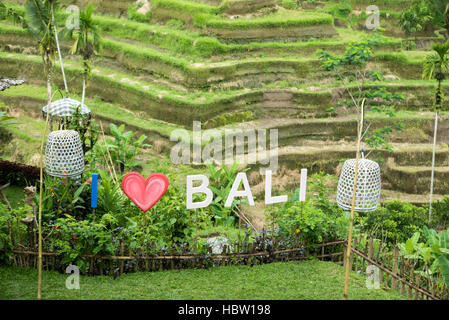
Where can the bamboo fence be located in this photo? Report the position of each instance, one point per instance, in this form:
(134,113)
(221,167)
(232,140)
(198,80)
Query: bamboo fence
(395,271)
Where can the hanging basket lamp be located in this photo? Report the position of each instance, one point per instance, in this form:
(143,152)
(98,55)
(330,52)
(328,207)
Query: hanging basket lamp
(66,107)
(64,154)
(368,186)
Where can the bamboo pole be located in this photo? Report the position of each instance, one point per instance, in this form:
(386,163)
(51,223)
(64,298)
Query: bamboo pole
(432,177)
(351,221)
(39,259)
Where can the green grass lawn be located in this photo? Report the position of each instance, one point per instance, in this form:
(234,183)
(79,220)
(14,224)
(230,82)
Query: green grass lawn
(304,280)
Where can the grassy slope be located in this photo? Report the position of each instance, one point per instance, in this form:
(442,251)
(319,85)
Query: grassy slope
(302,280)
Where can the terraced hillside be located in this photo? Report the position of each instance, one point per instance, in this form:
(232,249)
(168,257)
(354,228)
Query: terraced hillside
(243,64)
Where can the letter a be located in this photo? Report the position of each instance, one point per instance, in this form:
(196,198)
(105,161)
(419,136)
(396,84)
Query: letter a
(246,192)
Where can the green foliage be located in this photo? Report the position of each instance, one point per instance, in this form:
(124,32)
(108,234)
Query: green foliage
(86,127)
(415,19)
(38,21)
(431,255)
(169,220)
(137,16)
(289,4)
(5,222)
(437,62)
(123,148)
(73,239)
(10,12)
(440,12)
(437,65)
(356,54)
(350,68)
(87,36)
(440,213)
(221,181)
(340,10)
(313,221)
(175,24)
(111,199)
(307,222)
(229,118)
(63,197)
(394,221)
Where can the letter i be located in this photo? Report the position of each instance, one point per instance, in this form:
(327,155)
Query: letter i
(303,185)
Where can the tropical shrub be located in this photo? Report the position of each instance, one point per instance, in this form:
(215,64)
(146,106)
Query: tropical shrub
(440,214)
(123,149)
(221,181)
(307,222)
(431,255)
(394,221)
(64,197)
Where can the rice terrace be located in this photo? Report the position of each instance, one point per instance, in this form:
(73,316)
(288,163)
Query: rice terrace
(203,149)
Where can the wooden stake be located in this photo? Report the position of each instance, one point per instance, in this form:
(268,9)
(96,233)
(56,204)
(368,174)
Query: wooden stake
(354,193)
(143,235)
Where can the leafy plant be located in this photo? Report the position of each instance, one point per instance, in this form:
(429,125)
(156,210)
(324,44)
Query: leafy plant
(395,221)
(87,41)
(63,197)
(86,128)
(221,181)
(351,69)
(123,148)
(433,254)
(307,222)
(415,19)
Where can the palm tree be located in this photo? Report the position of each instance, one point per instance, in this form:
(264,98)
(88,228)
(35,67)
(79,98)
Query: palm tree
(435,66)
(40,21)
(87,41)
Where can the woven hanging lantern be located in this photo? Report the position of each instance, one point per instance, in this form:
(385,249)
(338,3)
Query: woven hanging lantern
(368,186)
(66,108)
(64,154)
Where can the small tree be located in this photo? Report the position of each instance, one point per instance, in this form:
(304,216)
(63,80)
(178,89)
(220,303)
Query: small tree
(415,19)
(436,66)
(87,41)
(350,69)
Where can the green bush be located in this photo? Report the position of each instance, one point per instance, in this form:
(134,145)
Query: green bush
(289,4)
(340,10)
(440,214)
(307,222)
(395,221)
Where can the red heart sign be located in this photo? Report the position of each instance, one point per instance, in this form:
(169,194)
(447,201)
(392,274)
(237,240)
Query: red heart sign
(145,193)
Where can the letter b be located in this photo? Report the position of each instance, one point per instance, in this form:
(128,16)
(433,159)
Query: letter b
(203,188)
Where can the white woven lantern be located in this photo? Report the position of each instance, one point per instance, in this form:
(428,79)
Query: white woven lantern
(65,108)
(368,186)
(64,154)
